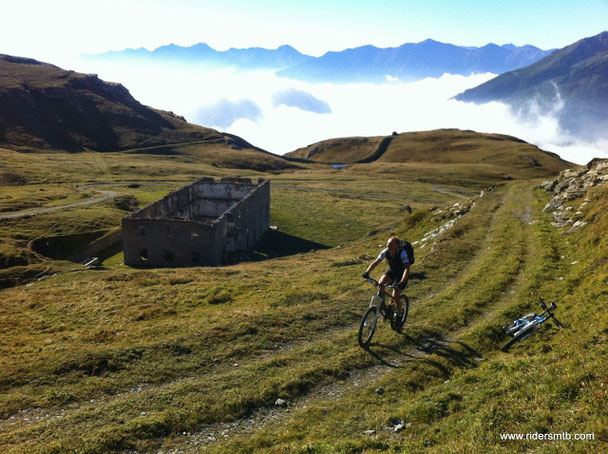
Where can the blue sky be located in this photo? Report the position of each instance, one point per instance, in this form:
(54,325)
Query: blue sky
(280,114)
(56,30)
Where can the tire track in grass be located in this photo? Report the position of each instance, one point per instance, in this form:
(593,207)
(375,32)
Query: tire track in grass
(370,376)
(396,354)
(492,258)
(362,373)
(531,246)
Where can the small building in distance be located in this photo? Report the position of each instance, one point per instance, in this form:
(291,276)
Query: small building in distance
(199,224)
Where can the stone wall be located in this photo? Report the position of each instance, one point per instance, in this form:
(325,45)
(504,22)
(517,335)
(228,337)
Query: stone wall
(198,225)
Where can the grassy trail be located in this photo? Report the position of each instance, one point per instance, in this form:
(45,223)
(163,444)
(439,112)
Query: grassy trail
(283,328)
(296,368)
(426,356)
(392,355)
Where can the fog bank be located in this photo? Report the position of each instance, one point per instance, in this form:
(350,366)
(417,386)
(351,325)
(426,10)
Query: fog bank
(281,115)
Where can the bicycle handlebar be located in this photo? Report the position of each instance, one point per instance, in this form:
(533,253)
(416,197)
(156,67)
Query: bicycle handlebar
(375,282)
(548,310)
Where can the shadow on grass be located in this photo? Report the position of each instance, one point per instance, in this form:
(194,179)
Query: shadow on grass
(111,251)
(276,244)
(456,353)
(381,352)
(418,276)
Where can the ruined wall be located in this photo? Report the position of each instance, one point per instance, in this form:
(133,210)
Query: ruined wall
(169,242)
(198,225)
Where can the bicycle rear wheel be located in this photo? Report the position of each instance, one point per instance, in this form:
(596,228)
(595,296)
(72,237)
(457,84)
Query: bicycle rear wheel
(368,326)
(397,323)
(519,336)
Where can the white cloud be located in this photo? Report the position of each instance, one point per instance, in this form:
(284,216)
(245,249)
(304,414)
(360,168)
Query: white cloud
(356,109)
(297,98)
(224,112)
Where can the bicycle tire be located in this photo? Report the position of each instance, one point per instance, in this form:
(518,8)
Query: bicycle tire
(405,306)
(368,326)
(518,337)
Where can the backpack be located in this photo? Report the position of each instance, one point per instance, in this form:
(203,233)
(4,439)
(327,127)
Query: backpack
(409,250)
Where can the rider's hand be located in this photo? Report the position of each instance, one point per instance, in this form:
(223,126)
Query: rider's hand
(365,275)
(401,285)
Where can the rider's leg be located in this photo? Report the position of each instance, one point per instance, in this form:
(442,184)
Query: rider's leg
(397,299)
(385,279)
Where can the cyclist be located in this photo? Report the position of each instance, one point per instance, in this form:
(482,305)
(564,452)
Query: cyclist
(399,270)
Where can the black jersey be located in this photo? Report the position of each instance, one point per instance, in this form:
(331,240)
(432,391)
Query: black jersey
(398,262)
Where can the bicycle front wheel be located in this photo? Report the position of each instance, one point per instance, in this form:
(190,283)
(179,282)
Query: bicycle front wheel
(368,326)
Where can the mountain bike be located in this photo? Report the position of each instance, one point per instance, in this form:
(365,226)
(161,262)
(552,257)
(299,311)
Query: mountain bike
(378,307)
(524,327)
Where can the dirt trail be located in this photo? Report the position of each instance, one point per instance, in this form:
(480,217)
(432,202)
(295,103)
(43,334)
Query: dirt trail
(389,359)
(107,195)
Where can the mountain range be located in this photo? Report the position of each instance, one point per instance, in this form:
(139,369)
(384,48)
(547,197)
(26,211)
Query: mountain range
(412,62)
(572,83)
(45,107)
(250,58)
(362,64)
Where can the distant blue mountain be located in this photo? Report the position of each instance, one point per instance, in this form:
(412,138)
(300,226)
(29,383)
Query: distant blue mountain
(572,82)
(408,62)
(413,61)
(252,58)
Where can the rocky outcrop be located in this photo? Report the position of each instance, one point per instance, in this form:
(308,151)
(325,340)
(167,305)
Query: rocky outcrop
(571,185)
(451,215)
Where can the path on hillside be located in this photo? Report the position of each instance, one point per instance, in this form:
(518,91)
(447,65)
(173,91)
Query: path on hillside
(505,225)
(392,358)
(459,193)
(107,195)
(378,152)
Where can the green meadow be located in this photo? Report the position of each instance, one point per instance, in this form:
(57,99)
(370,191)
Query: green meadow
(117,359)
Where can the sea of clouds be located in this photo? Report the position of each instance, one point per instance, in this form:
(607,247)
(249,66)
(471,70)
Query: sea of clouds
(281,115)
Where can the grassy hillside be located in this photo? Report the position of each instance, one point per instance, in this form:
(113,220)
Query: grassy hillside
(193,360)
(45,108)
(346,150)
(495,152)
(425,174)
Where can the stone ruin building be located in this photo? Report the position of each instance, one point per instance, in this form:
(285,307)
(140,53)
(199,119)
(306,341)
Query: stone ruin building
(198,225)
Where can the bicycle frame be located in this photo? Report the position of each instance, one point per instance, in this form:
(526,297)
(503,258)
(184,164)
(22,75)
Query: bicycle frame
(381,296)
(523,323)
(524,327)
(378,308)
(536,320)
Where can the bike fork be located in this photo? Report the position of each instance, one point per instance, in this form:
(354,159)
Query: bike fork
(375,301)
